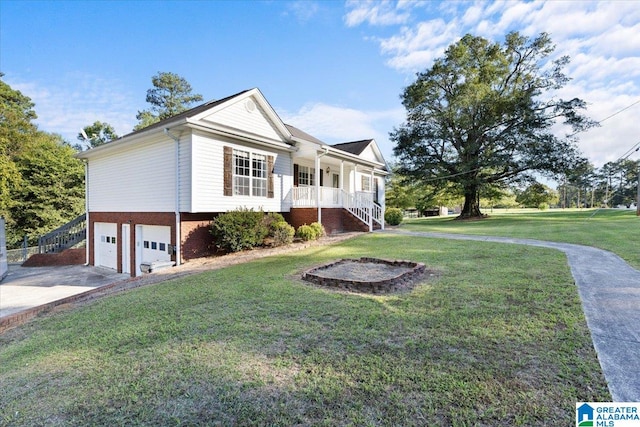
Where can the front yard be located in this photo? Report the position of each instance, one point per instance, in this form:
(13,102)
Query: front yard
(498,338)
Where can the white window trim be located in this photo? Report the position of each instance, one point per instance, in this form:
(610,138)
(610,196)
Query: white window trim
(252,176)
(310,176)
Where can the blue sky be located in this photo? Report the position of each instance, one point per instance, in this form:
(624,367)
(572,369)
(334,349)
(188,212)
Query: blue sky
(334,69)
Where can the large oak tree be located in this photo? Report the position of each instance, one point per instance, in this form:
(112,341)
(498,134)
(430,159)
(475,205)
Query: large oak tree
(482,117)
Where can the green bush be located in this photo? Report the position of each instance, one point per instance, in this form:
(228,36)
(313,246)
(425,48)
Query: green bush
(240,229)
(271,219)
(306,233)
(543,206)
(393,216)
(281,233)
(318,228)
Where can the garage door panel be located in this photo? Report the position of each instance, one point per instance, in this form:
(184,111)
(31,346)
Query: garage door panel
(106,249)
(156,243)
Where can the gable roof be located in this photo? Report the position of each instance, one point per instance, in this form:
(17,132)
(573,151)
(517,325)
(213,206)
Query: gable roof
(191,117)
(299,134)
(355,147)
(186,114)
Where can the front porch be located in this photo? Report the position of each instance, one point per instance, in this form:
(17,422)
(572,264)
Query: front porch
(360,204)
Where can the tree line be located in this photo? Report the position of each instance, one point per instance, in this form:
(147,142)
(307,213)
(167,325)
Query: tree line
(613,185)
(41,180)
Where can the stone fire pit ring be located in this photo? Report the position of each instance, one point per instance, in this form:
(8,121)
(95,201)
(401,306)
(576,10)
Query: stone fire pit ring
(367,275)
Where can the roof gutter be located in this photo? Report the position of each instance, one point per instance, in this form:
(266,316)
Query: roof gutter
(356,159)
(127,139)
(270,144)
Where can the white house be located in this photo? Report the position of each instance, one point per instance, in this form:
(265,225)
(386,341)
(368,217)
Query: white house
(151,195)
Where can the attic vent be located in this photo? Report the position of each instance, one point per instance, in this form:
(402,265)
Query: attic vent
(250,105)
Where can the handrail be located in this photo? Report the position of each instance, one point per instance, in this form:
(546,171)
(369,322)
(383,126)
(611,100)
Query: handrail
(359,204)
(66,236)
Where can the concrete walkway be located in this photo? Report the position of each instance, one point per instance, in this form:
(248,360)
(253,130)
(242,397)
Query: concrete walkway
(610,292)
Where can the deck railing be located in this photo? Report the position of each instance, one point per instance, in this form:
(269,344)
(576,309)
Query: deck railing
(64,237)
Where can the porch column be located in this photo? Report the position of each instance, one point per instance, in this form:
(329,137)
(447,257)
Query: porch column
(318,172)
(341,183)
(373,187)
(355,172)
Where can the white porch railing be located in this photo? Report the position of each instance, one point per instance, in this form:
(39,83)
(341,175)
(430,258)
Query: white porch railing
(306,197)
(360,204)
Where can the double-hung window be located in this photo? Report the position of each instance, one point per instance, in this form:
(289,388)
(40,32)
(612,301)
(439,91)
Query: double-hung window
(249,174)
(241,173)
(259,173)
(305,176)
(366,183)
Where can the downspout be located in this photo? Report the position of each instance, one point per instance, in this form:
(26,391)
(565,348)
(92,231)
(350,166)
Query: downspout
(86,210)
(177,192)
(318,172)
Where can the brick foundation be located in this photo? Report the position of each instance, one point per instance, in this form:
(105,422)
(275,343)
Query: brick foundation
(66,257)
(196,240)
(335,220)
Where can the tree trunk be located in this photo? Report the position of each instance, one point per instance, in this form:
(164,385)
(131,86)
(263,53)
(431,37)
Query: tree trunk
(471,208)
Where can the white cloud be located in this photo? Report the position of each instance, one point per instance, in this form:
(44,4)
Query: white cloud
(333,124)
(376,12)
(67,104)
(303,11)
(600,37)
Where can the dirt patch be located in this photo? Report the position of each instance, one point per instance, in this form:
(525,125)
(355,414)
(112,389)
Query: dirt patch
(369,275)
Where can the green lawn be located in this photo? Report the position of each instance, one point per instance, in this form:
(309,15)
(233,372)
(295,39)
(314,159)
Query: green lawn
(498,338)
(615,230)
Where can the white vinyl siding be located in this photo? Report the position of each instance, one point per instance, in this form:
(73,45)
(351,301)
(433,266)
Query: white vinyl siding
(208,177)
(138,179)
(238,116)
(185,173)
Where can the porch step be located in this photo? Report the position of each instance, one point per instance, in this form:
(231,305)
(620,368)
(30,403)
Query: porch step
(351,223)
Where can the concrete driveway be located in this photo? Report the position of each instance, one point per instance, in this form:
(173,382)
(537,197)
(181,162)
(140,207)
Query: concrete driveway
(27,287)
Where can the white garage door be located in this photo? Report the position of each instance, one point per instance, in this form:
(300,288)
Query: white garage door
(106,249)
(153,243)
